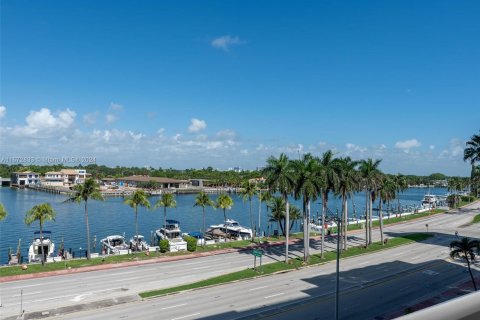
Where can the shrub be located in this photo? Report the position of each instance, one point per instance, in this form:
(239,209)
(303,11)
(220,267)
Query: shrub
(164,245)
(468,198)
(191,244)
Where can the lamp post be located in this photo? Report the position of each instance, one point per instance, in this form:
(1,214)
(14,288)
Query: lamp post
(338,221)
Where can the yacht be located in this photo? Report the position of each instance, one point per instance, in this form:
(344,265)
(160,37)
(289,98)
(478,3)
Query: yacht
(39,247)
(114,245)
(171,232)
(429,201)
(138,244)
(234,229)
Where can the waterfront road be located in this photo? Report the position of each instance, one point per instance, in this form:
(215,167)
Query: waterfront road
(393,277)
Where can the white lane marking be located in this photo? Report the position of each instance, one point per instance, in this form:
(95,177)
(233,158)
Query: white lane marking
(176,306)
(126,279)
(80,297)
(187,316)
(205,267)
(27,293)
(31,285)
(363,263)
(258,288)
(274,295)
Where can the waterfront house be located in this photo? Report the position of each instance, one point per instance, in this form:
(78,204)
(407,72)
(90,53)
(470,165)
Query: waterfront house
(53,178)
(74,176)
(165,183)
(26,178)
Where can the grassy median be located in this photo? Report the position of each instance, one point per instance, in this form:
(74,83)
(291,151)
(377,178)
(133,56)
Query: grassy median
(293,264)
(476,219)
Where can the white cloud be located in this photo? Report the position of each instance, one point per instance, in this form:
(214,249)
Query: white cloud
(196,125)
(356,148)
(115,106)
(110,118)
(226,134)
(43,123)
(161,131)
(3,111)
(224,42)
(90,118)
(408,144)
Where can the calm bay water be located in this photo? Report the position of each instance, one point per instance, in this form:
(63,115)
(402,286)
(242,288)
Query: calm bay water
(113,217)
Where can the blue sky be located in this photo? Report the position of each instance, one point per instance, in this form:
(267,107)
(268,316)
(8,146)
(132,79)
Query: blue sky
(222,83)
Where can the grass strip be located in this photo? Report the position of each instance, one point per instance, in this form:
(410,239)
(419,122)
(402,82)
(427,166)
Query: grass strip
(293,264)
(476,219)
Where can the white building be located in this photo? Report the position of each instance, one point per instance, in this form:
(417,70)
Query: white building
(53,178)
(65,177)
(26,178)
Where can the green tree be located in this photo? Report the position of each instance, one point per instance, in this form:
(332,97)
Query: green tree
(386,193)
(400,183)
(347,182)
(83,192)
(330,179)
(3,212)
(41,213)
(280,177)
(465,250)
(167,200)
(224,202)
(248,191)
(203,200)
(277,205)
(138,198)
(472,154)
(369,172)
(308,186)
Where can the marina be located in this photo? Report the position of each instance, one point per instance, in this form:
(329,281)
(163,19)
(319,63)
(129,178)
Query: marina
(112,217)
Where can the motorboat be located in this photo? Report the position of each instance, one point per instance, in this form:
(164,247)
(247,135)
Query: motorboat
(171,232)
(41,246)
(138,244)
(114,245)
(429,201)
(234,229)
(197,235)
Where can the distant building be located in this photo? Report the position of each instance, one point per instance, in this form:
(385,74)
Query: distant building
(65,177)
(167,183)
(26,178)
(198,182)
(53,178)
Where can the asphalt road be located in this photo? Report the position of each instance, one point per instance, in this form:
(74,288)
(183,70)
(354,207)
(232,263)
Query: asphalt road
(381,271)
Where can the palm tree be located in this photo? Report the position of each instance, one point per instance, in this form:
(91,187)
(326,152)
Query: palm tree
(472,153)
(369,172)
(138,198)
(307,186)
(465,249)
(277,205)
(347,182)
(329,176)
(224,202)
(3,212)
(41,213)
(400,183)
(203,200)
(167,200)
(248,191)
(280,177)
(83,192)
(386,192)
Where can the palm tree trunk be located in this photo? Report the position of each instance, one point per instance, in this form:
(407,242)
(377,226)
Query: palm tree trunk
(41,243)
(259,211)
(366,218)
(136,227)
(287,222)
(165,220)
(370,219)
(380,215)
(471,275)
(324,206)
(398,202)
(251,221)
(88,230)
(307,231)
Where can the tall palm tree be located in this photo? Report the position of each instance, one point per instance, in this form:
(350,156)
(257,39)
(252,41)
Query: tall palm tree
(138,198)
(329,176)
(280,177)
(386,192)
(3,212)
(277,205)
(308,185)
(472,153)
(347,182)
(401,185)
(167,200)
(248,191)
(369,171)
(83,192)
(465,249)
(224,202)
(203,200)
(41,213)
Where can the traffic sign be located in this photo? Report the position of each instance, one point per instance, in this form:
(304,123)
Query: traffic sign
(257,253)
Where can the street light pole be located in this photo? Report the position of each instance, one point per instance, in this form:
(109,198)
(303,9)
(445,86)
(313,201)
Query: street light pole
(337,288)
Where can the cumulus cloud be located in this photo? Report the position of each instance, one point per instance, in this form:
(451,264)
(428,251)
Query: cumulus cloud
(225,42)
(115,106)
(356,148)
(44,123)
(196,125)
(226,134)
(408,144)
(3,111)
(90,118)
(111,118)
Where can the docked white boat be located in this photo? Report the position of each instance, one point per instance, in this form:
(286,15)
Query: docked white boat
(317,227)
(39,247)
(429,201)
(138,244)
(234,229)
(114,245)
(171,232)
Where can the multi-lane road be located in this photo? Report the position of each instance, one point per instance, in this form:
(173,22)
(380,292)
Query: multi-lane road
(371,285)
